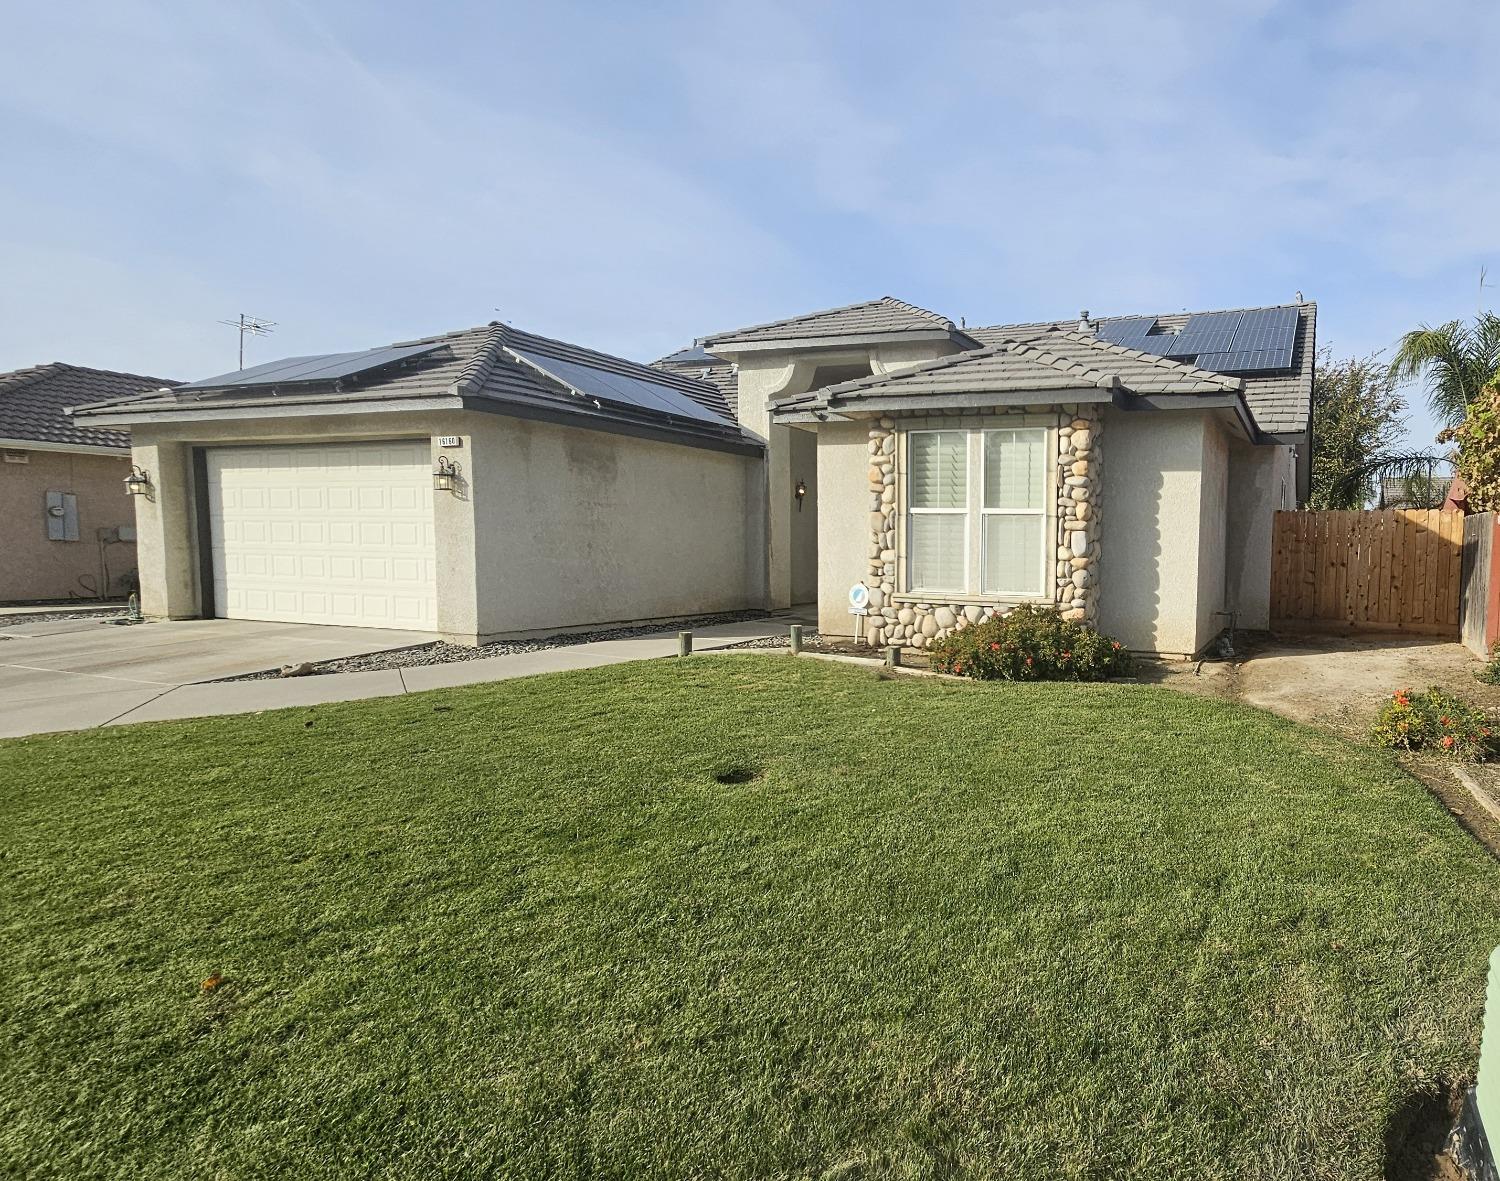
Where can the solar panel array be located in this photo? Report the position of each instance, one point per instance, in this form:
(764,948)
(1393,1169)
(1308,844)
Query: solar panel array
(619,388)
(1226,342)
(325,367)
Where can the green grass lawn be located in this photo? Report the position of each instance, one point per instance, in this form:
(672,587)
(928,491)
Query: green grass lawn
(521,930)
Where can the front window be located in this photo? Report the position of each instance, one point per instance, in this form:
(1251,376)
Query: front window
(977,512)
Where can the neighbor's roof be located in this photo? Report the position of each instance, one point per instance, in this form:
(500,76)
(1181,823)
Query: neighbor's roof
(32,403)
(481,365)
(1040,360)
(876,317)
(1280,402)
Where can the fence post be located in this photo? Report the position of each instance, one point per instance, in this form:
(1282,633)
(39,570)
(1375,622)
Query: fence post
(796,629)
(684,643)
(892,656)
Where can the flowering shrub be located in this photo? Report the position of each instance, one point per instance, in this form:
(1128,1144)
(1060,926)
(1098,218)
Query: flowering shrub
(1433,720)
(1030,644)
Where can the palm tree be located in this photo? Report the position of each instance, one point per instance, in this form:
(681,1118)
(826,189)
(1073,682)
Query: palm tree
(1458,359)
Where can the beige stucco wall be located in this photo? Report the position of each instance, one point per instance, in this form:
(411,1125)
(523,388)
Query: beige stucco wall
(843,520)
(34,567)
(804,520)
(1153,486)
(1212,509)
(551,527)
(574,527)
(1261,481)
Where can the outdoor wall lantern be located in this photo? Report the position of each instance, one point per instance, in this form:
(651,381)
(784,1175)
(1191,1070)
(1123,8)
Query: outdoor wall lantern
(138,483)
(445,475)
(800,493)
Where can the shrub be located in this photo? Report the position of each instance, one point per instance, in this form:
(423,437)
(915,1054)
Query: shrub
(1436,721)
(1030,644)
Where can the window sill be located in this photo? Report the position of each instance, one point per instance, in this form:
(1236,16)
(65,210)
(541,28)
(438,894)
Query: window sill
(946,597)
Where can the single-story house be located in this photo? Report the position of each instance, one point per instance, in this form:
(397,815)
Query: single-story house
(493,482)
(482,483)
(67,527)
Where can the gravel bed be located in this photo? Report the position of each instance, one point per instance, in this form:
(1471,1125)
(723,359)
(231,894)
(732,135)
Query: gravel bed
(16,620)
(441,653)
(809,640)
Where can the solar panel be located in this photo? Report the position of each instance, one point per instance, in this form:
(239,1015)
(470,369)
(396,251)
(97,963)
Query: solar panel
(1129,332)
(1266,340)
(620,388)
(324,367)
(1211,332)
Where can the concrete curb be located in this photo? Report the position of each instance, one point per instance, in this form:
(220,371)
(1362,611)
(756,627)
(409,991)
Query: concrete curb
(1481,796)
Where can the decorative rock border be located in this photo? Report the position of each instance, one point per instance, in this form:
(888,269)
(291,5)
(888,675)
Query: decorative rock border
(1077,540)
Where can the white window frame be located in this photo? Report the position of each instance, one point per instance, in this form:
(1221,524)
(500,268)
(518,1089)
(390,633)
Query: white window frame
(976,513)
(1040,512)
(966,511)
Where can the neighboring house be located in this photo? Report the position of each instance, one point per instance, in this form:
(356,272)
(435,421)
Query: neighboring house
(1124,469)
(1414,492)
(67,527)
(480,483)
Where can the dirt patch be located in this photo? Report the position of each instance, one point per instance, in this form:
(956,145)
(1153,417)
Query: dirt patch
(737,775)
(1338,682)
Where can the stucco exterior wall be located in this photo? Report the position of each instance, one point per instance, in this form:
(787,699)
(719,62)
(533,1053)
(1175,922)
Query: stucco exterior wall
(804,519)
(1153,484)
(843,521)
(1212,510)
(575,527)
(35,567)
(1261,481)
(551,527)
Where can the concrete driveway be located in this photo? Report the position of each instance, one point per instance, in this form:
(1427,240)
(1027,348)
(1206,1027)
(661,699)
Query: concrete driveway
(76,673)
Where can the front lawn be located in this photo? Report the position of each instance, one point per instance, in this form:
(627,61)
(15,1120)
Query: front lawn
(927,929)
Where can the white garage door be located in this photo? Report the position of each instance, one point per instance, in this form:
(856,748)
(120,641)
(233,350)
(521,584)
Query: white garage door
(324,534)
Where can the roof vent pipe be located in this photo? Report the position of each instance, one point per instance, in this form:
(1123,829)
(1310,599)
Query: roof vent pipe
(1083,321)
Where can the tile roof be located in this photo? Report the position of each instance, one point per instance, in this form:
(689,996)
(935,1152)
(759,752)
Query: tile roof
(32,402)
(1280,403)
(1040,359)
(480,364)
(875,317)
(699,364)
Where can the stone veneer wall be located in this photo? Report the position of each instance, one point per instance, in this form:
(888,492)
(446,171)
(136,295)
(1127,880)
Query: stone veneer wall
(1076,541)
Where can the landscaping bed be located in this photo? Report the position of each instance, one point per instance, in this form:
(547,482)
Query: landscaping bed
(732,917)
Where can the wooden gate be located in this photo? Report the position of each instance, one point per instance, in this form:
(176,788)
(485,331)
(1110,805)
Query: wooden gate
(1386,570)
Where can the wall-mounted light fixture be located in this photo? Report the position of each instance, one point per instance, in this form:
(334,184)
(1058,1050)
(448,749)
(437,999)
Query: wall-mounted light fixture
(800,492)
(138,483)
(445,475)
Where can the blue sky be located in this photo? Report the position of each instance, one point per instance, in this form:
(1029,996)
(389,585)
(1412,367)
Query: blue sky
(632,175)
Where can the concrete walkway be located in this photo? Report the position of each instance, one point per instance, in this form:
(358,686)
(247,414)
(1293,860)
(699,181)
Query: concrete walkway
(137,702)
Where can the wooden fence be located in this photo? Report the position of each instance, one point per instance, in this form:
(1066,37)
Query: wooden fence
(1387,570)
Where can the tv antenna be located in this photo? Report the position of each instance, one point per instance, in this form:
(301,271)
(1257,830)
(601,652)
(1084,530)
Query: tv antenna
(252,326)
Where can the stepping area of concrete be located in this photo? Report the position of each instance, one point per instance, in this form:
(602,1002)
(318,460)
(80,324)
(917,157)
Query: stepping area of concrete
(78,674)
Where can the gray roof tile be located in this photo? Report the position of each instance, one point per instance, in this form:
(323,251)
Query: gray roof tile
(1280,403)
(475,364)
(1036,358)
(883,316)
(32,403)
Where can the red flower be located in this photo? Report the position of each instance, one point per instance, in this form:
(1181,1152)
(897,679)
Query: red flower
(1442,721)
(1447,740)
(1067,656)
(1115,644)
(994,647)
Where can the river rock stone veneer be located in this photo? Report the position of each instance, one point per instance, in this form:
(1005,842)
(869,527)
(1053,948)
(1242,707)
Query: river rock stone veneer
(897,619)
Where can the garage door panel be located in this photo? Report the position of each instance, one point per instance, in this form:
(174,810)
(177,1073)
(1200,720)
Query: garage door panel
(339,534)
